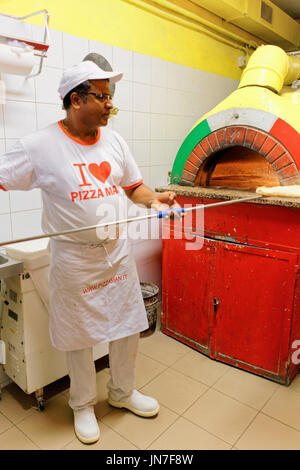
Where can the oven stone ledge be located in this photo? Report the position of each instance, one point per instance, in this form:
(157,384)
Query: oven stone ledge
(228,194)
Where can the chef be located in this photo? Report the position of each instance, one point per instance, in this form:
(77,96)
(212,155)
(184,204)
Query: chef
(81,167)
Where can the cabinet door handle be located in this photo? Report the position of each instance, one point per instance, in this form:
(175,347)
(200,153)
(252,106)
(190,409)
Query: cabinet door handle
(216,304)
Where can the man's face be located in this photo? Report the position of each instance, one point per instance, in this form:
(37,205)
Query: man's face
(94,112)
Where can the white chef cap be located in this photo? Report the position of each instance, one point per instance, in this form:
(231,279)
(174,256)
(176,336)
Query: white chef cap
(83,71)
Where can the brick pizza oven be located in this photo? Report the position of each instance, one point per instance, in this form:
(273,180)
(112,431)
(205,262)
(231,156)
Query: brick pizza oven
(237,299)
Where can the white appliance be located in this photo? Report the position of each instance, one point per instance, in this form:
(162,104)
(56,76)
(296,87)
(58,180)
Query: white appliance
(30,359)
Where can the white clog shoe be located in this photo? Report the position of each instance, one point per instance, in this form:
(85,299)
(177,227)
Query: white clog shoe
(86,425)
(139,404)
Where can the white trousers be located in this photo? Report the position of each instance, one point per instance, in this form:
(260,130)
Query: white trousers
(82,372)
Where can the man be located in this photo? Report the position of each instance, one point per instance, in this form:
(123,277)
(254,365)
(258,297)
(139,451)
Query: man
(95,297)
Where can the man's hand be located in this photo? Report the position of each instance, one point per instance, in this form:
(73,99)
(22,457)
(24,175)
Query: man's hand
(148,198)
(166,201)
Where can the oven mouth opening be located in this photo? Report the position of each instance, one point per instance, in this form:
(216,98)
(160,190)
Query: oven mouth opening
(236,167)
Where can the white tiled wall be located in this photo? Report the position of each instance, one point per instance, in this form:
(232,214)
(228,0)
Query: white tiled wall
(159,102)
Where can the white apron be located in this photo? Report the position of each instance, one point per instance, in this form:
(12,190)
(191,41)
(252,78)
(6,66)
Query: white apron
(95,295)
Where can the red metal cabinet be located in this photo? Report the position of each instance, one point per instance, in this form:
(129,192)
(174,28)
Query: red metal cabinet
(187,311)
(253,320)
(232,302)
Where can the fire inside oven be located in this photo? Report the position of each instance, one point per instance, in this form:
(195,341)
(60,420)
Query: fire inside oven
(239,156)
(237,168)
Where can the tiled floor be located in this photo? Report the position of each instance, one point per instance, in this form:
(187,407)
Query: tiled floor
(204,405)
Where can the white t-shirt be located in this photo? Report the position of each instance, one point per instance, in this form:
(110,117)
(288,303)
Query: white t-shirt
(81,183)
(95,294)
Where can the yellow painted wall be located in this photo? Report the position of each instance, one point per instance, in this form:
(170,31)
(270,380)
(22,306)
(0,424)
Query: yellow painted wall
(123,25)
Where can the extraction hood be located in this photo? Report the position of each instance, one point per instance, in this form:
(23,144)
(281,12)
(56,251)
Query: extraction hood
(262,18)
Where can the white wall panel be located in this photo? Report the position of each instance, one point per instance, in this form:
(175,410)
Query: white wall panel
(74,49)
(141,68)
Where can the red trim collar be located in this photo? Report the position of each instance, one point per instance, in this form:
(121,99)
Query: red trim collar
(77,140)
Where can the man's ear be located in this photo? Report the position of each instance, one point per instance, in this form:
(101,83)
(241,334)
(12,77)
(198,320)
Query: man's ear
(76,100)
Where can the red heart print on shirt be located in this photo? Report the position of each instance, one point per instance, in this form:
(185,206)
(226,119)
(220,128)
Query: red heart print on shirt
(101,172)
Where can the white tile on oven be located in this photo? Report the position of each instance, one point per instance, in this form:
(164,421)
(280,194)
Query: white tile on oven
(74,49)
(141,126)
(19,119)
(5,228)
(26,224)
(25,200)
(55,51)
(141,152)
(159,72)
(123,95)
(141,97)
(157,152)
(47,84)
(158,127)
(123,124)
(48,113)
(106,50)
(18,88)
(141,68)
(158,100)
(122,62)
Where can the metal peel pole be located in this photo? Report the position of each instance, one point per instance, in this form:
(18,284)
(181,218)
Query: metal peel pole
(159,215)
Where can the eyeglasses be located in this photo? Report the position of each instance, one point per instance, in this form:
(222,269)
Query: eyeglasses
(103,97)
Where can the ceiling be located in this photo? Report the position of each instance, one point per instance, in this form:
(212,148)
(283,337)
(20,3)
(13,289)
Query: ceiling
(291,7)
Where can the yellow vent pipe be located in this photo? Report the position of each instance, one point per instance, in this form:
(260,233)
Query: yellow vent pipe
(270,67)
